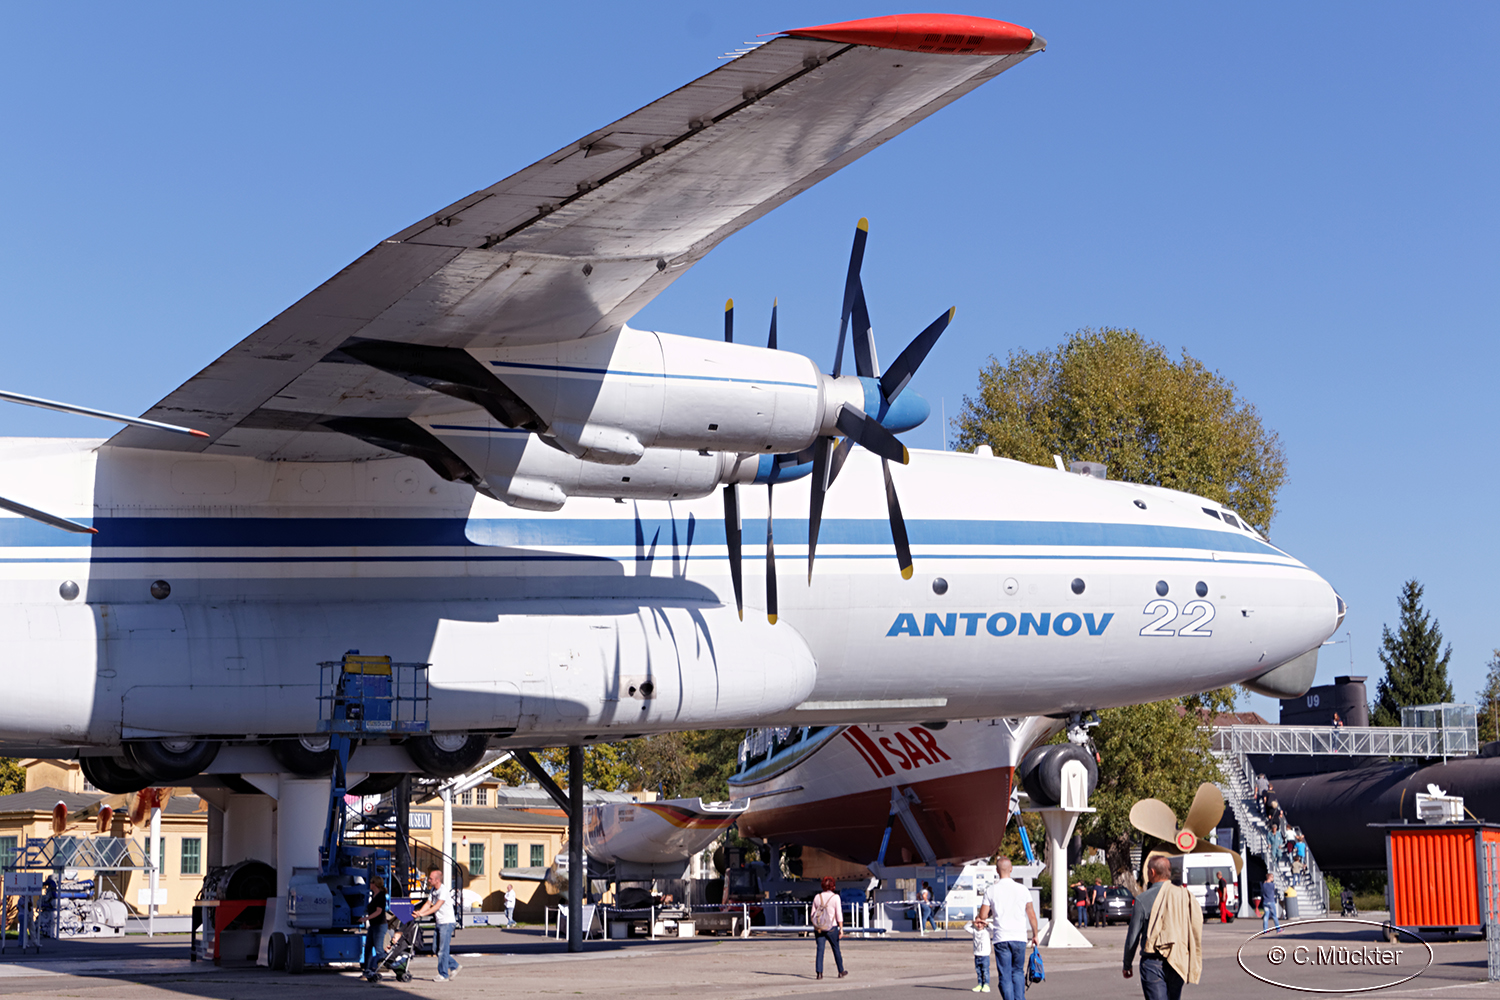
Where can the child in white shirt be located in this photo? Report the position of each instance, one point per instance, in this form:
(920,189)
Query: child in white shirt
(981,955)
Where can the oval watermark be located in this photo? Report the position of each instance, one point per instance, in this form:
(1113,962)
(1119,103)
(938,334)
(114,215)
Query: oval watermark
(1320,955)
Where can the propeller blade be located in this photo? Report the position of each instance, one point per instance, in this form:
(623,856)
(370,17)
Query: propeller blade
(1207,807)
(851,285)
(898,523)
(1154,818)
(1205,847)
(869,434)
(818,489)
(88,411)
(771,340)
(46,518)
(732,531)
(729,321)
(906,365)
(865,361)
(840,456)
(770,559)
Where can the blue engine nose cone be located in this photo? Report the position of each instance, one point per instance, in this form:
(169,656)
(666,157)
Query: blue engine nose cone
(910,410)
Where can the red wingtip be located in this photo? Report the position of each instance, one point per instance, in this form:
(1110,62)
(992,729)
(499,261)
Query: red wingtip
(954,34)
(198,434)
(92,531)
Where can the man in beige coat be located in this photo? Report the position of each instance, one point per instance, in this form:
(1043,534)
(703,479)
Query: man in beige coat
(1167,927)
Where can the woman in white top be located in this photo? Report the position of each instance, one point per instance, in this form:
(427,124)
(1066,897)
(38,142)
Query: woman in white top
(827,914)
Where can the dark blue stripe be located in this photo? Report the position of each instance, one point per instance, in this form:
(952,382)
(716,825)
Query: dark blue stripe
(373,532)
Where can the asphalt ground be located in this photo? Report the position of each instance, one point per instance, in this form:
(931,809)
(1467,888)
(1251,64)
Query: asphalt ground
(523,963)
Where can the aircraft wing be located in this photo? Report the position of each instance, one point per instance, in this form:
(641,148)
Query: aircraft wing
(578,242)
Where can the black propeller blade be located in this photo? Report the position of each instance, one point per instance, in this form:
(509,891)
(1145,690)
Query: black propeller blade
(821,449)
(732,532)
(900,373)
(729,321)
(866,432)
(852,289)
(770,560)
(46,518)
(898,524)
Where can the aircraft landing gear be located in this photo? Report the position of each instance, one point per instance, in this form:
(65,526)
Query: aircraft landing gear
(165,761)
(1040,771)
(445,755)
(114,775)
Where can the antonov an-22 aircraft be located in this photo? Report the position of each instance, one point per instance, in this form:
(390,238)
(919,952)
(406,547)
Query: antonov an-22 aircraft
(457,452)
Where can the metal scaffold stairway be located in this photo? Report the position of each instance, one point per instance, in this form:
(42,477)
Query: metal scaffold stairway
(1238,787)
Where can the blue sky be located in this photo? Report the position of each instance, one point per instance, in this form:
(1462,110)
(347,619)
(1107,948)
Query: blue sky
(1301,195)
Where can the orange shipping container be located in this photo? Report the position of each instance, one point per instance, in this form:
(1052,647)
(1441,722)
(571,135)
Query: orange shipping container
(1443,876)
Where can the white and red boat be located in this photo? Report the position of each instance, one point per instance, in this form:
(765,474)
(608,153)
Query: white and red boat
(942,791)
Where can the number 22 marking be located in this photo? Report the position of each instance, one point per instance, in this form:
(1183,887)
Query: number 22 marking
(1166,612)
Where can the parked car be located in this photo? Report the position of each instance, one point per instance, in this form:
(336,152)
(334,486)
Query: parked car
(1119,904)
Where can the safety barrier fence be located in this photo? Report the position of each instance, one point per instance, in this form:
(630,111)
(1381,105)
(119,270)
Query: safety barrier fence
(787,916)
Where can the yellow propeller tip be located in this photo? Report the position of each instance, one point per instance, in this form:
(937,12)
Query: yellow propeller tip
(728,304)
(742,614)
(905,456)
(771,619)
(864,224)
(952,312)
(906,572)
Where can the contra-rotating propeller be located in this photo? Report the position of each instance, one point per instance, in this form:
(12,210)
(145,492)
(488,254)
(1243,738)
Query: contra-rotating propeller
(733,527)
(863,427)
(1155,818)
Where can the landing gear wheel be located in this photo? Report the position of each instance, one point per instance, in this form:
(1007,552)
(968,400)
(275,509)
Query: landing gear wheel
(112,774)
(446,755)
(1041,771)
(276,952)
(306,756)
(296,954)
(165,761)
(375,784)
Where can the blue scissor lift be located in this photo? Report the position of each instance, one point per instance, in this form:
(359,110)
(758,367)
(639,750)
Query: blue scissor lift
(360,696)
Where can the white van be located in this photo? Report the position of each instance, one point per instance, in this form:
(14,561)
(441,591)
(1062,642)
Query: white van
(1200,873)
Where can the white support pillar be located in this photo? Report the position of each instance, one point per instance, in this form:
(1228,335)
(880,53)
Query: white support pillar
(446,847)
(1060,823)
(249,829)
(154,848)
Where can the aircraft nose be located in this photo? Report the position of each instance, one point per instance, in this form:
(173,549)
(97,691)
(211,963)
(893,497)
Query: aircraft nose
(1343,609)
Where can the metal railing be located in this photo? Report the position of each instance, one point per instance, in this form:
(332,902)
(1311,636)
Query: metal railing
(1239,779)
(1372,741)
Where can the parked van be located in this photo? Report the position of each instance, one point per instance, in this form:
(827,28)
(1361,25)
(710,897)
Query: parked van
(1200,873)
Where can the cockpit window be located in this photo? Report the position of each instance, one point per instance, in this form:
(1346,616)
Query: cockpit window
(1211,512)
(1229,520)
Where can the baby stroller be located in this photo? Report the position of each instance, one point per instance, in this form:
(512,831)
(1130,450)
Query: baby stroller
(399,955)
(1347,902)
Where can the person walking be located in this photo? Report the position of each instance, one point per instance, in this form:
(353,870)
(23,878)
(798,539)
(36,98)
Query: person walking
(982,949)
(1167,927)
(375,924)
(1269,906)
(924,907)
(1007,911)
(827,917)
(1223,891)
(1097,898)
(439,906)
(510,905)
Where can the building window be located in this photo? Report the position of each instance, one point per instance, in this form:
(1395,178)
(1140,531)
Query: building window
(8,848)
(161,854)
(192,855)
(511,859)
(538,855)
(482,795)
(476,859)
(466,798)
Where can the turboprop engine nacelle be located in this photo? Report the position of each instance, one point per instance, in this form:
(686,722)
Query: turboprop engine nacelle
(525,471)
(609,398)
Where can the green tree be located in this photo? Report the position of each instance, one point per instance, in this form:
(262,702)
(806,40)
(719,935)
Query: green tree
(1489,701)
(1415,673)
(1158,750)
(676,764)
(12,776)
(1112,396)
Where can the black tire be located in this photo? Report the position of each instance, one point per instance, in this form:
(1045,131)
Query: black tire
(306,756)
(446,755)
(276,952)
(112,774)
(403,977)
(375,784)
(296,954)
(165,761)
(251,880)
(1043,781)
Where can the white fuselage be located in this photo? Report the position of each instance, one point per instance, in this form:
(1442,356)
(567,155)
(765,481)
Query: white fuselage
(608,619)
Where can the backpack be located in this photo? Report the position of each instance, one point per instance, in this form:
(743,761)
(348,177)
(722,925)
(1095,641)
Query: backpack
(1034,971)
(822,918)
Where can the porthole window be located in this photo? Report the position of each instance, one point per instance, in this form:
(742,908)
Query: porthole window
(1140,503)
(1161,588)
(1201,589)
(1078,585)
(68,591)
(161,590)
(939,586)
